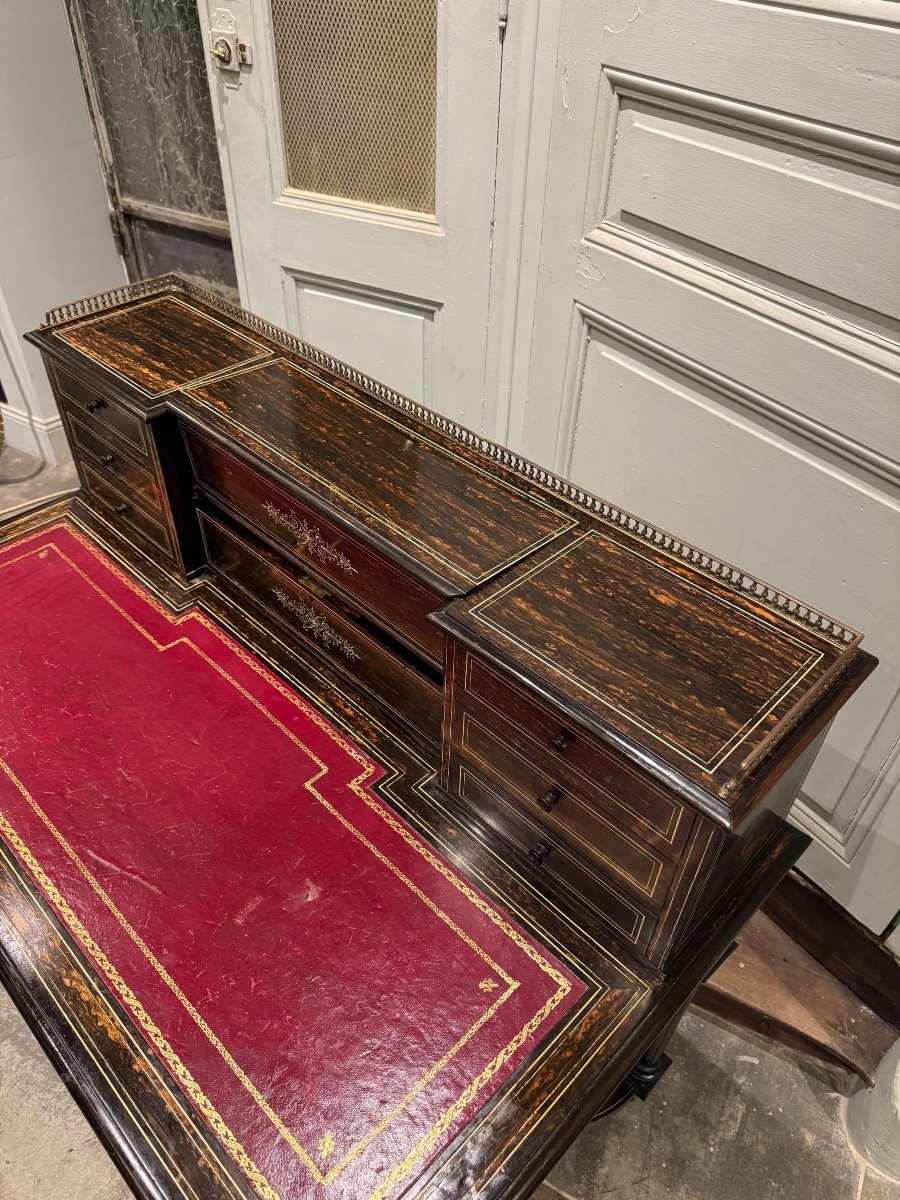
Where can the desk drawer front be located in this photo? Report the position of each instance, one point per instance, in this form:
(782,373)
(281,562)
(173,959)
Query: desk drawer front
(122,507)
(316,616)
(95,411)
(652,816)
(109,462)
(551,855)
(547,800)
(402,603)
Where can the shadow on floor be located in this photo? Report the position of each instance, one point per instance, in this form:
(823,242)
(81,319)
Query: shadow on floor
(735,1118)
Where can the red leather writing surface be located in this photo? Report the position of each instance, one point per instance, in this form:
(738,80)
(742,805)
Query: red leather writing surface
(334,998)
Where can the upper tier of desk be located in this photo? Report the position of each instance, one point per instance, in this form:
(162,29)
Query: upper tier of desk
(686,664)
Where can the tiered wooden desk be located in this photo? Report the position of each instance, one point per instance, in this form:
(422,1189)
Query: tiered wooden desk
(602,725)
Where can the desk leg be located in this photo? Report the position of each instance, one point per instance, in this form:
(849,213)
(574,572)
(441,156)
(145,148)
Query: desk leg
(653,1064)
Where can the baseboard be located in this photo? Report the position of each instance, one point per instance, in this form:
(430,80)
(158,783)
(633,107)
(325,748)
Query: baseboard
(852,953)
(18,432)
(44,437)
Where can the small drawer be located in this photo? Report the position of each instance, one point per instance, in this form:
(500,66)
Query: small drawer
(110,463)
(122,507)
(400,602)
(80,401)
(544,737)
(552,857)
(636,866)
(316,616)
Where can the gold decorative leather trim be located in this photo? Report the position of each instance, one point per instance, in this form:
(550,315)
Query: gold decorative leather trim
(109,1024)
(134,1006)
(359,787)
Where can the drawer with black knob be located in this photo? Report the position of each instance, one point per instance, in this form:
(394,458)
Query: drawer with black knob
(122,508)
(551,856)
(94,409)
(590,830)
(541,737)
(110,462)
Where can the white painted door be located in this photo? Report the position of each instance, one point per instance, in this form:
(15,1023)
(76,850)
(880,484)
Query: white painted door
(715,341)
(359,154)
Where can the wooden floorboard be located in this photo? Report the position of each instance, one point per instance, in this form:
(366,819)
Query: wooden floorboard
(772,986)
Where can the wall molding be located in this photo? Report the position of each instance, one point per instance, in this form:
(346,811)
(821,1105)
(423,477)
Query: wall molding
(24,428)
(863,12)
(848,842)
(587,320)
(820,136)
(801,312)
(527,83)
(814,324)
(429,310)
(44,437)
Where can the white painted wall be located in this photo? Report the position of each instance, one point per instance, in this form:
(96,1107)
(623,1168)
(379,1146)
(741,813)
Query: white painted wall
(56,242)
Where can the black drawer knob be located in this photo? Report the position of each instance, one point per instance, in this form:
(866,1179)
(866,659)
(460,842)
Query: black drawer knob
(121,508)
(93,405)
(560,742)
(107,459)
(550,799)
(538,853)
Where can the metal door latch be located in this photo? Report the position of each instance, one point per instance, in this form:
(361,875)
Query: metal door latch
(229,53)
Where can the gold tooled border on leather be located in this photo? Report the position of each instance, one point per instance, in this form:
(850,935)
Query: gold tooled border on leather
(357,786)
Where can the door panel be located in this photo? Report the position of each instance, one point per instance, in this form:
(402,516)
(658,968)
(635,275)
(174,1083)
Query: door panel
(394,120)
(785,205)
(716,340)
(143,66)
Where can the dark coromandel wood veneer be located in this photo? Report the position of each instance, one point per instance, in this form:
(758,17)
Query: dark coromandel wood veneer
(602,726)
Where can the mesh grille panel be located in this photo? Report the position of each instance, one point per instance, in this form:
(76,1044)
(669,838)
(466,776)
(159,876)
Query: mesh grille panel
(358,98)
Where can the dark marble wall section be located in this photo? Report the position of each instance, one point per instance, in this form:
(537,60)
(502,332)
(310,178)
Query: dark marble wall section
(148,61)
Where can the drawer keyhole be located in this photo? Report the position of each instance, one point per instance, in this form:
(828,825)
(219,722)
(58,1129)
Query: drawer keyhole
(539,853)
(560,742)
(550,799)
